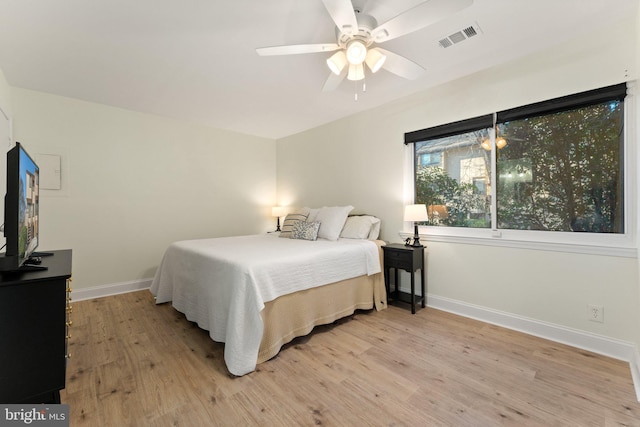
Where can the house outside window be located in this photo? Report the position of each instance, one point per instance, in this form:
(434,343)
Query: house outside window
(555,166)
(456,190)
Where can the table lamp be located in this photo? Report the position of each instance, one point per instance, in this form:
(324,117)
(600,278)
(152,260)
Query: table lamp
(416,213)
(277,211)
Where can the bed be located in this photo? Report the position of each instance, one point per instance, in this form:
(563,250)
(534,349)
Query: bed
(256,293)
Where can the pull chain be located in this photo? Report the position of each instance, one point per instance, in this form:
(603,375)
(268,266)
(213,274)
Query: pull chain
(364,89)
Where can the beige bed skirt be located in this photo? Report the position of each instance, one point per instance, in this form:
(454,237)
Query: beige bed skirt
(295,315)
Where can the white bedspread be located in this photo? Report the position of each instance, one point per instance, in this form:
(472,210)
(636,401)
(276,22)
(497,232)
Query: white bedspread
(223,283)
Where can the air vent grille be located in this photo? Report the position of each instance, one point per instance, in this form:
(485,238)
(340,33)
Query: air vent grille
(470,31)
(460,36)
(446,42)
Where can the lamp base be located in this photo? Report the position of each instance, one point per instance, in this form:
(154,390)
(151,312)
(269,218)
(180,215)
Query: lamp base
(278,226)
(416,238)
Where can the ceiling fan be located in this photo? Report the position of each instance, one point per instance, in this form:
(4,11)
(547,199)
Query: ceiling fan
(359,34)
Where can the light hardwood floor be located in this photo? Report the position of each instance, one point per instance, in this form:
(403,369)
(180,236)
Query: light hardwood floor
(135,363)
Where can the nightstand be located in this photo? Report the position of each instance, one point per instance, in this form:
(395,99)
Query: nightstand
(401,257)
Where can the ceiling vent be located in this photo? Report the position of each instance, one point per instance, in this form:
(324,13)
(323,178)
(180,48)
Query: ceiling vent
(460,36)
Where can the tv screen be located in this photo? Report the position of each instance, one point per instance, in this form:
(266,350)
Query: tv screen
(21,207)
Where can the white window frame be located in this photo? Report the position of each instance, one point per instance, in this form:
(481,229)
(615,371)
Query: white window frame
(610,244)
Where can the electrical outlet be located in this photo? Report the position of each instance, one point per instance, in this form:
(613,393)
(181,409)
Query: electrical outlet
(595,313)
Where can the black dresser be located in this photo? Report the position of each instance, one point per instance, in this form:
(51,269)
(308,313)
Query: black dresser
(34,328)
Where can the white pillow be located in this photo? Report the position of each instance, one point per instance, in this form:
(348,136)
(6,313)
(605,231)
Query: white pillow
(375,229)
(313,213)
(359,227)
(332,220)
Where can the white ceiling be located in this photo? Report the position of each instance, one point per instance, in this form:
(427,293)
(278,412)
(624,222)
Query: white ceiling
(195,60)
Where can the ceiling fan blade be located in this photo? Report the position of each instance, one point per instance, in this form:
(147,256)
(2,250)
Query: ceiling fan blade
(334,80)
(401,66)
(419,17)
(296,49)
(343,15)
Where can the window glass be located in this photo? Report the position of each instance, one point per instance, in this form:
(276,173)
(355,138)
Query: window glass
(562,171)
(559,167)
(452,177)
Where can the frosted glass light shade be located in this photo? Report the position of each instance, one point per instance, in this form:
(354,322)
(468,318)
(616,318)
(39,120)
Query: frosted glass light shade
(375,59)
(356,52)
(337,62)
(415,213)
(356,72)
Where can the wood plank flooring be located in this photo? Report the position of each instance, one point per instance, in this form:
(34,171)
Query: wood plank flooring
(135,363)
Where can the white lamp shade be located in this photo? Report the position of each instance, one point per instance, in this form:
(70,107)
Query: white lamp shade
(375,59)
(415,213)
(356,52)
(337,62)
(356,72)
(277,211)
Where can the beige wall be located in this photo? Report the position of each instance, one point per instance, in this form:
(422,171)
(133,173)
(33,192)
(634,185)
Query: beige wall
(6,108)
(637,133)
(360,161)
(133,183)
(5,95)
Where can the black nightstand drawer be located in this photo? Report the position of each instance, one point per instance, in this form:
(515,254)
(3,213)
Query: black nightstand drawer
(403,257)
(398,259)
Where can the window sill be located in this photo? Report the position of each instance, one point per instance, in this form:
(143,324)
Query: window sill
(578,248)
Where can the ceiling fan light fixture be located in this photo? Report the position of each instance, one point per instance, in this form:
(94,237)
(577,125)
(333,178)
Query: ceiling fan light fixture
(356,72)
(337,62)
(375,59)
(356,32)
(500,143)
(356,52)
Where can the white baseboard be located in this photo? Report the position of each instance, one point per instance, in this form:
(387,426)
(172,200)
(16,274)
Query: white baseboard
(635,372)
(617,349)
(113,289)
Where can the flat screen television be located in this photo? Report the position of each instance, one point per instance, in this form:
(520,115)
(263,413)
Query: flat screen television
(21,209)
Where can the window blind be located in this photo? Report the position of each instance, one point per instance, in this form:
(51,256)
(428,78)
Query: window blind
(569,102)
(449,129)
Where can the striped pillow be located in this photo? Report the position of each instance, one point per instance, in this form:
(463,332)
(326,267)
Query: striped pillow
(290,219)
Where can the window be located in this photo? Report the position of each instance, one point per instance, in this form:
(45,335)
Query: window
(563,171)
(554,166)
(456,190)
